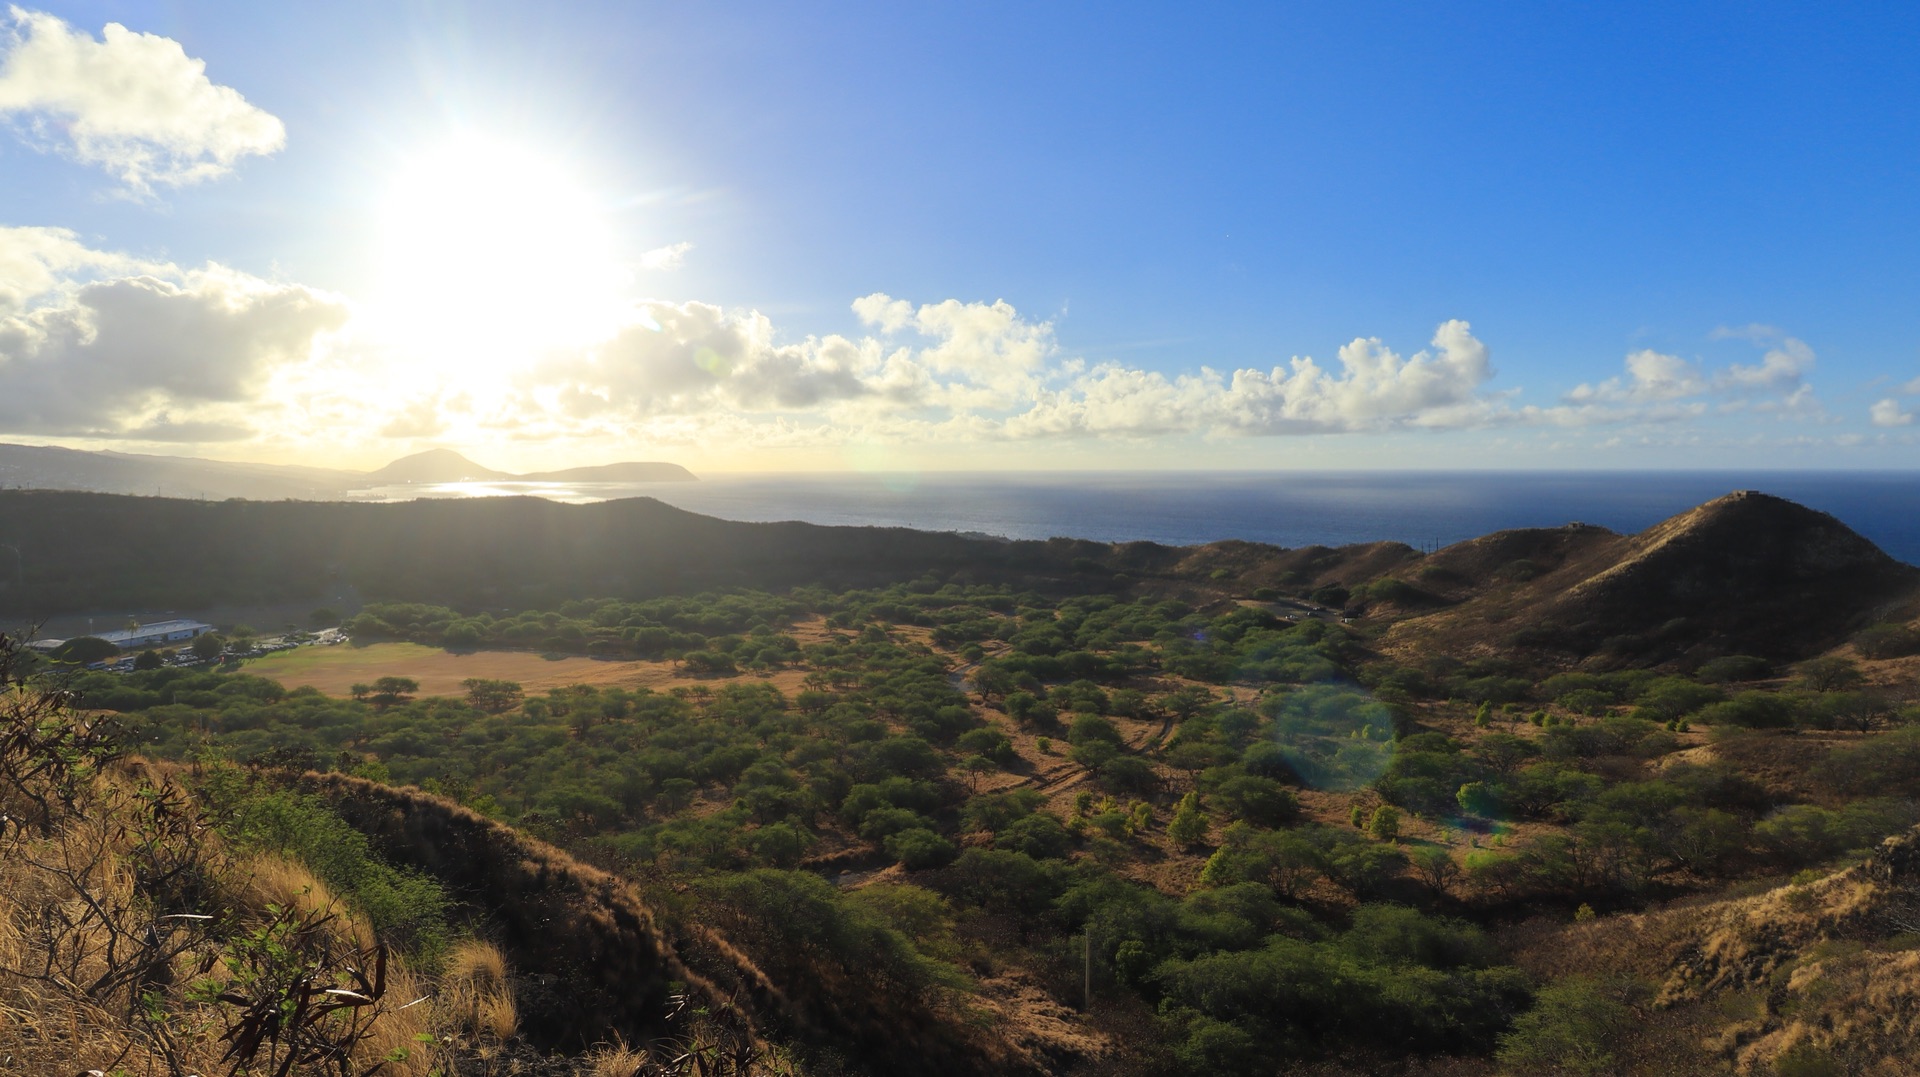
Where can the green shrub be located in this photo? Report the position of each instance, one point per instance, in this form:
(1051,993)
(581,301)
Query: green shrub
(1571,1028)
(1887,641)
(1733,668)
(405,907)
(920,848)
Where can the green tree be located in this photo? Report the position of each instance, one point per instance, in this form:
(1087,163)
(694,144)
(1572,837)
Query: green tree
(1435,866)
(1187,702)
(148,659)
(1261,801)
(1478,798)
(492,696)
(85,650)
(918,848)
(1189,823)
(1571,1028)
(1830,673)
(1384,824)
(388,691)
(207,646)
(1887,641)
(992,682)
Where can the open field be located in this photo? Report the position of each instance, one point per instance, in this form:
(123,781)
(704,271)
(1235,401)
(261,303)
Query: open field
(335,670)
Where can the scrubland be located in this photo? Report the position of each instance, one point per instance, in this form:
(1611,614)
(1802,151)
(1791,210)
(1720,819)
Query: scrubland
(1274,815)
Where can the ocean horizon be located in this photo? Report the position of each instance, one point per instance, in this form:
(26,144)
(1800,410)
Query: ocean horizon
(1283,508)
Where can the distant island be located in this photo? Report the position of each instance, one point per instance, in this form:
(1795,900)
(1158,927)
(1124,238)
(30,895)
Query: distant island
(30,467)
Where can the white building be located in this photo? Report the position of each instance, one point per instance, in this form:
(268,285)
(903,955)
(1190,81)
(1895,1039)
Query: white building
(159,632)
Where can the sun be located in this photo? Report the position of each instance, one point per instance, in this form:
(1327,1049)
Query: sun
(491,254)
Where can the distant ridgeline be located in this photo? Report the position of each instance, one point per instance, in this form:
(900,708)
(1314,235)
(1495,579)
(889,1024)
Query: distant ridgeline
(82,551)
(35,467)
(1746,573)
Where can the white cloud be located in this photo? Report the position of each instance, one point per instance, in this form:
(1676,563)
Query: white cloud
(1374,389)
(1908,388)
(99,344)
(695,357)
(981,370)
(668,257)
(86,351)
(1889,413)
(1779,370)
(1651,376)
(134,104)
(35,261)
(1662,388)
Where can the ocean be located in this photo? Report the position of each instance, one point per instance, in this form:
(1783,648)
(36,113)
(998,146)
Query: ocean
(1291,508)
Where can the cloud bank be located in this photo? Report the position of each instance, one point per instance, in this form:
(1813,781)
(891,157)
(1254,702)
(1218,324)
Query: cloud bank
(133,104)
(98,344)
(102,345)
(982,370)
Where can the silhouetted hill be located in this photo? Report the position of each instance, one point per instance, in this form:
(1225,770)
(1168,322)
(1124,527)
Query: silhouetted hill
(434,465)
(1746,573)
(49,468)
(100,551)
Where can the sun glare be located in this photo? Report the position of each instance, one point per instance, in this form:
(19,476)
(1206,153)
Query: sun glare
(489,255)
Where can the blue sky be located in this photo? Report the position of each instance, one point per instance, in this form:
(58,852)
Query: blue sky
(965,236)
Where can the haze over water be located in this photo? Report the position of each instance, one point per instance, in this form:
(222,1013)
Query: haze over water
(1283,508)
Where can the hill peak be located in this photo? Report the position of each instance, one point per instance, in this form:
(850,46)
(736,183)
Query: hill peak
(433,465)
(1746,573)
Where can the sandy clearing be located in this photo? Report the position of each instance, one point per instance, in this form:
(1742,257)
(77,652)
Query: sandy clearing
(335,670)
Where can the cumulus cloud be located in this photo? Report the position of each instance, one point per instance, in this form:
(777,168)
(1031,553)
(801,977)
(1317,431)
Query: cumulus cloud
(1889,413)
(693,357)
(1660,388)
(1651,376)
(1779,370)
(35,261)
(96,343)
(955,370)
(1374,389)
(133,104)
(86,351)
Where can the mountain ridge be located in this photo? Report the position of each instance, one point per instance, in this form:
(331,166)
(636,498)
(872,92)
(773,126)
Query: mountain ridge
(107,471)
(1745,574)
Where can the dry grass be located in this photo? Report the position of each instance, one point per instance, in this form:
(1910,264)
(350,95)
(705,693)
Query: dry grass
(1793,969)
(276,881)
(475,993)
(335,670)
(71,913)
(616,1059)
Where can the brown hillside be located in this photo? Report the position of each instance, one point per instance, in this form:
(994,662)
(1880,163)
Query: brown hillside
(1825,967)
(1300,569)
(597,962)
(593,951)
(1466,569)
(1746,573)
